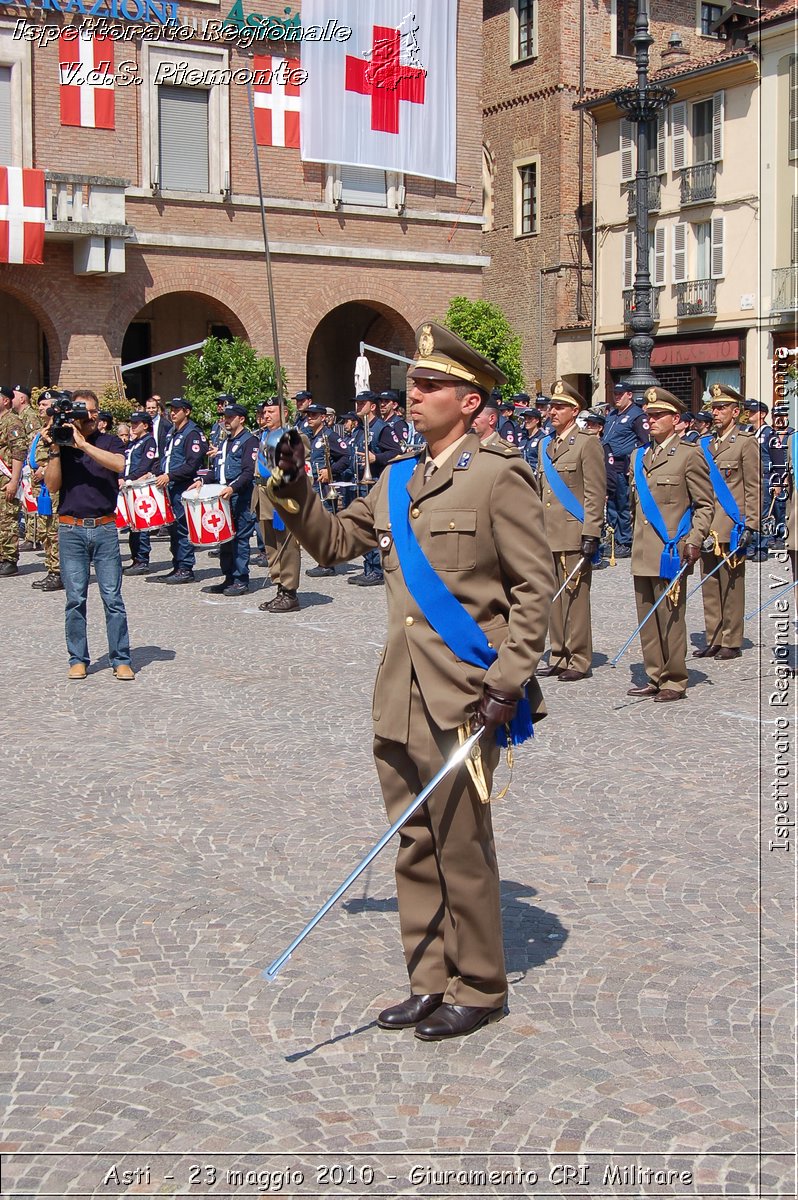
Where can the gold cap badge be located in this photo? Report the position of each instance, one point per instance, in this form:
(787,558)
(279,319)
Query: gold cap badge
(651,395)
(717,390)
(558,389)
(426,342)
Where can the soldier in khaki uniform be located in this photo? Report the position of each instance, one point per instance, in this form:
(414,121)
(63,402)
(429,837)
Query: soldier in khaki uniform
(474,512)
(577,459)
(13,448)
(282,549)
(677,477)
(31,422)
(736,456)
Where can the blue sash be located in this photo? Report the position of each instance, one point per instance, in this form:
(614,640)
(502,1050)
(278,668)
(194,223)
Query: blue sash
(44,502)
(669,562)
(444,612)
(265,473)
(723,495)
(558,485)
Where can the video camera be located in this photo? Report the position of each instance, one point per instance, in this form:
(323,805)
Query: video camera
(63,409)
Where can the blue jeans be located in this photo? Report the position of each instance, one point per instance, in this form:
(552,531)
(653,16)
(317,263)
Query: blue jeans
(618,512)
(79,547)
(139,542)
(234,555)
(183,556)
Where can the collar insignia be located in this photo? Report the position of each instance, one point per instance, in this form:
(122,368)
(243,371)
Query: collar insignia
(463,460)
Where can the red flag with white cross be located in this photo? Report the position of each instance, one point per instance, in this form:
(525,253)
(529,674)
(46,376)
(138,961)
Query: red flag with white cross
(22,213)
(277,101)
(386,97)
(86,75)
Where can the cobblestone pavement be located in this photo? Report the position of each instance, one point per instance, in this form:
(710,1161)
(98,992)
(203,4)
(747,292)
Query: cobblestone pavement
(166,839)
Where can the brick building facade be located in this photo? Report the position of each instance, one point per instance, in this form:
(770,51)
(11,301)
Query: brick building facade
(136,266)
(541,59)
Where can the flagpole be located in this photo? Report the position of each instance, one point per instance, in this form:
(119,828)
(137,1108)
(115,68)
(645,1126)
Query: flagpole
(267,253)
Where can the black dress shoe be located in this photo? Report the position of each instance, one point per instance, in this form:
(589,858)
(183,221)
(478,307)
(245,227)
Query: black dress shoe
(410,1011)
(217,589)
(545,672)
(707,652)
(623,551)
(647,689)
(455,1020)
(180,577)
(137,568)
(727,652)
(320,572)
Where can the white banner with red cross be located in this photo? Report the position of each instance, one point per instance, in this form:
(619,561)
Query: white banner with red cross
(22,213)
(277,101)
(387,96)
(86,76)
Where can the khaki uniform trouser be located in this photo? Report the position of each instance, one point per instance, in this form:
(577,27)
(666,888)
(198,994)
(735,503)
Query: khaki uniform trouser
(664,637)
(724,601)
(284,571)
(447,878)
(9,525)
(570,627)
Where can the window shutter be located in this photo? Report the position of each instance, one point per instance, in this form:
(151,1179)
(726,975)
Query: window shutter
(364,185)
(679,136)
(627,147)
(793,108)
(6,114)
(662,151)
(680,252)
(183,138)
(628,257)
(659,255)
(717,126)
(716,260)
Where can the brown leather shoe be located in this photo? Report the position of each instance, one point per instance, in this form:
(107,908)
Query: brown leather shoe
(570,676)
(727,652)
(647,689)
(410,1011)
(667,694)
(545,672)
(707,652)
(125,672)
(283,602)
(455,1020)
(77,671)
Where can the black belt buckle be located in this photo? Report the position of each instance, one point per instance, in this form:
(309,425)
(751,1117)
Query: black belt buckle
(89,522)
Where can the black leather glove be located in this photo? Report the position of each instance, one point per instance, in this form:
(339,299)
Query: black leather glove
(746,538)
(495,708)
(289,457)
(589,547)
(691,554)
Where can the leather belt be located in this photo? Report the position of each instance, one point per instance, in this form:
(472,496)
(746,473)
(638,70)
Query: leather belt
(86,522)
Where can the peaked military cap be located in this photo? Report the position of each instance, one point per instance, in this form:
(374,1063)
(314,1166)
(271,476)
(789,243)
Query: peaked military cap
(657,399)
(442,355)
(531,412)
(303,396)
(234,410)
(141,418)
(316,409)
(563,393)
(179,402)
(722,393)
(390,395)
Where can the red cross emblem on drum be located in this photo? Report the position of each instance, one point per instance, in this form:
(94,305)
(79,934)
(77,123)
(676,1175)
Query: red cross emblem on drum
(209,517)
(213,521)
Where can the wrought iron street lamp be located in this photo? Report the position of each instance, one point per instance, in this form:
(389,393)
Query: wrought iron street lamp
(641,104)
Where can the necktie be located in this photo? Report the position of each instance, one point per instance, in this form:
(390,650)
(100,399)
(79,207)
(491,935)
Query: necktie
(429,470)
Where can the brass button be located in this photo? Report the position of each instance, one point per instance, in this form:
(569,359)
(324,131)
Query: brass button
(548,505)
(490,645)
(409,621)
(415,512)
(451,524)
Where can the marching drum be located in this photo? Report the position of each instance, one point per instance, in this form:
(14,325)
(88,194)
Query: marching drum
(208,516)
(147,505)
(122,515)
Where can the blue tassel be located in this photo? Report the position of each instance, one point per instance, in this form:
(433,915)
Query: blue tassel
(521,728)
(669,563)
(44,504)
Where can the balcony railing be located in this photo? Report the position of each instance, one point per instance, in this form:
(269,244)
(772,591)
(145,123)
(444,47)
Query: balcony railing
(784,289)
(698,183)
(696,298)
(84,200)
(629,304)
(654,195)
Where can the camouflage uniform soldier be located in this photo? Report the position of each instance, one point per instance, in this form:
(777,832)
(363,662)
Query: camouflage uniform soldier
(47,523)
(31,423)
(13,447)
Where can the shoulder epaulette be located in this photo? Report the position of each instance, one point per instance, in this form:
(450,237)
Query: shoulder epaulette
(500,447)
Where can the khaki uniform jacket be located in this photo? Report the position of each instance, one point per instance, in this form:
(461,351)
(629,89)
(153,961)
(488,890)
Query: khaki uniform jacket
(678,480)
(580,463)
(479,524)
(13,440)
(740,463)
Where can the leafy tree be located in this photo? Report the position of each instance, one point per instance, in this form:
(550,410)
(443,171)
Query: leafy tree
(112,402)
(484,326)
(230,366)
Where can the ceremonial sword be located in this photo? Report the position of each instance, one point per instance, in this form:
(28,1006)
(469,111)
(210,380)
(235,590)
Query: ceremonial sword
(457,759)
(583,561)
(649,614)
(709,574)
(783,592)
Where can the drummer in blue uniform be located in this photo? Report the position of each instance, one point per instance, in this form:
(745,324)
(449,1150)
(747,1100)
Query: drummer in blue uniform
(626,429)
(507,428)
(532,435)
(186,447)
(234,469)
(141,458)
